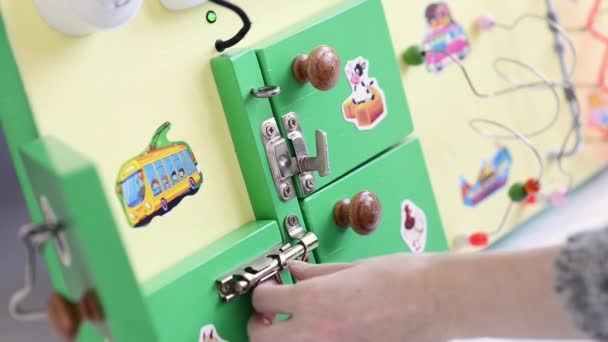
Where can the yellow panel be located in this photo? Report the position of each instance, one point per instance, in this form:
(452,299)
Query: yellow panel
(106,94)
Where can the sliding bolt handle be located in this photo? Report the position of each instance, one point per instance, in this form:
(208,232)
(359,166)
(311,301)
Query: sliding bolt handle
(320,163)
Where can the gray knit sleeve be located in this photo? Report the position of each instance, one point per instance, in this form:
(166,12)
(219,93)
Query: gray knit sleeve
(582,281)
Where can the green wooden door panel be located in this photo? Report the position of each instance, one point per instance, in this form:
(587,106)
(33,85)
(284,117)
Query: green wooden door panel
(18,125)
(397,175)
(359,29)
(185,299)
(235,76)
(73,190)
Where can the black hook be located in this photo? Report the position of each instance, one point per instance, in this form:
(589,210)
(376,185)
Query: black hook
(221,45)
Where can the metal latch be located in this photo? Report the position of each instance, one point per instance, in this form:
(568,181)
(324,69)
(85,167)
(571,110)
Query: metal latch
(247,277)
(284,166)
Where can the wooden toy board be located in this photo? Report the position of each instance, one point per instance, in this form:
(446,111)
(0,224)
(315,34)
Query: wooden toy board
(106,94)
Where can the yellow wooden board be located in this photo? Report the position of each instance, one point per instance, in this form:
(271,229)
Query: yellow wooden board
(443,105)
(105,94)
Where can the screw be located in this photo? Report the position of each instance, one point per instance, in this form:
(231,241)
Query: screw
(227,288)
(269,130)
(309,183)
(292,220)
(286,191)
(292,122)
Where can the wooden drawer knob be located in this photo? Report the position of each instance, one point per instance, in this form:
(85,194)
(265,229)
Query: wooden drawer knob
(322,68)
(363,213)
(66,317)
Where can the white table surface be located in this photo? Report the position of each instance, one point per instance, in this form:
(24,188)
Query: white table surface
(587,209)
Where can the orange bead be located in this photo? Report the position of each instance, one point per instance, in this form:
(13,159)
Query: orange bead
(532,186)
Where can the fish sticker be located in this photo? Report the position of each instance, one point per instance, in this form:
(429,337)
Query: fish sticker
(413,227)
(445,40)
(366,106)
(492,176)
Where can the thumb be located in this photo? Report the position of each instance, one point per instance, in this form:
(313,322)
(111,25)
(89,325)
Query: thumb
(302,271)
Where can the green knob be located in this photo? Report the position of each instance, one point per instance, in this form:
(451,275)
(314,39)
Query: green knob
(518,193)
(414,55)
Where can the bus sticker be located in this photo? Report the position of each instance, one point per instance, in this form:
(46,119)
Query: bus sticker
(155,181)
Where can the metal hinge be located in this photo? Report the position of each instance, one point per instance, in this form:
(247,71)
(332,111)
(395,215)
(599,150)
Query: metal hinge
(248,276)
(284,166)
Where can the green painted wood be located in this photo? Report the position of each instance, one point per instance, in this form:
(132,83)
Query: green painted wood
(359,28)
(99,260)
(397,175)
(235,76)
(185,298)
(17,123)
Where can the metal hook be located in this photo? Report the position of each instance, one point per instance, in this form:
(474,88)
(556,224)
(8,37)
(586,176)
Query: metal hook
(34,237)
(266,92)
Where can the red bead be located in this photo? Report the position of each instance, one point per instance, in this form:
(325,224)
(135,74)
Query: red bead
(532,186)
(531,199)
(479,239)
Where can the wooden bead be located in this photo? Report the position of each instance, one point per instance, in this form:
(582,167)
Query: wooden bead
(532,186)
(414,56)
(517,193)
(322,68)
(363,213)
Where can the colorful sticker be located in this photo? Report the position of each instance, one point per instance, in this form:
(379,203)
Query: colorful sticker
(413,227)
(444,38)
(493,176)
(598,106)
(209,334)
(156,180)
(366,107)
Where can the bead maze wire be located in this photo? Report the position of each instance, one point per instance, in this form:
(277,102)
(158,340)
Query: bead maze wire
(518,193)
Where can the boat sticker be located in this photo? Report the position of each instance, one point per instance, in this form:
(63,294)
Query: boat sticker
(598,116)
(156,180)
(492,176)
(413,227)
(445,40)
(366,106)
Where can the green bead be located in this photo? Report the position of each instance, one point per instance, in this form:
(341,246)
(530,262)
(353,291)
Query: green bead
(518,192)
(414,55)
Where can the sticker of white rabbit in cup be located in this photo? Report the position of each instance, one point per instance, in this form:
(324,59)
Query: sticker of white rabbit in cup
(366,107)
(413,227)
(209,334)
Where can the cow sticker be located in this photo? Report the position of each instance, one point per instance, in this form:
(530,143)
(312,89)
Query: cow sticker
(413,227)
(210,334)
(366,106)
(445,41)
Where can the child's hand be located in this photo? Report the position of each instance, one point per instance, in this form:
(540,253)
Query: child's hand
(365,301)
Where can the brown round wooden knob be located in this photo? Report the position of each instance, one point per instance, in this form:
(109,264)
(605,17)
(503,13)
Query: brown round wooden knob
(64,317)
(90,308)
(322,68)
(363,213)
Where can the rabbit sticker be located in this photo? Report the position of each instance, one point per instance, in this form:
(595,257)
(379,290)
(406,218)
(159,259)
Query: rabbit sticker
(413,227)
(209,334)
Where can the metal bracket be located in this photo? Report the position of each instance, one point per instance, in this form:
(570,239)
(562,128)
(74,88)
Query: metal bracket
(34,237)
(247,277)
(283,166)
